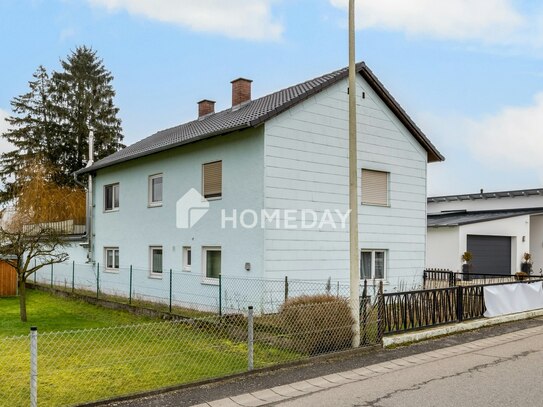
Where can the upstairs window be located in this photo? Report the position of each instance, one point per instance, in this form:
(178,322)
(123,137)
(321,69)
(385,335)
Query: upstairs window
(212,180)
(155,190)
(374,187)
(111,197)
(372,264)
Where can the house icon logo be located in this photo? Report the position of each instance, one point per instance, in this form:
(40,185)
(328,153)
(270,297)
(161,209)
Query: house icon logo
(190,208)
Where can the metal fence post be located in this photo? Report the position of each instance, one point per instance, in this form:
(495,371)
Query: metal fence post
(250,339)
(380,312)
(363,305)
(220,295)
(424,276)
(33,366)
(130,285)
(286,288)
(170,291)
(97,280)
(73,275)
(459,303)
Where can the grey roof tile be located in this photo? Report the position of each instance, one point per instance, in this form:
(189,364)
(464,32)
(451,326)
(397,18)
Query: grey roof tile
(459,218)
(252,114)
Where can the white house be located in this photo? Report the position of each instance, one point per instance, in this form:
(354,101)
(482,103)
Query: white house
(497,227)
(267,169)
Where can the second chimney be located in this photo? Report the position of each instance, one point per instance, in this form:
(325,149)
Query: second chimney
(241,91)
(205,107)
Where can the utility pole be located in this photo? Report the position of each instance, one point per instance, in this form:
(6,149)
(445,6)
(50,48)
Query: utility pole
(353,187)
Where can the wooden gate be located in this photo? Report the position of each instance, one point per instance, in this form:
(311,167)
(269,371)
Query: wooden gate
(8,279)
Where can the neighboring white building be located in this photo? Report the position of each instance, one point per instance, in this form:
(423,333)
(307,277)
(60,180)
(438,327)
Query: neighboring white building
(282,153)
(497,227)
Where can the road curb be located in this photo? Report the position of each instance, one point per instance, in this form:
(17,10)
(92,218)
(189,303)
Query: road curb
(411,337)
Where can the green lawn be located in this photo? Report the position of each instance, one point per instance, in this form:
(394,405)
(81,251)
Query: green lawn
(51,313)
(103,353)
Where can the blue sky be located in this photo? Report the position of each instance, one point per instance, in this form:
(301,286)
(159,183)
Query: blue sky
(469,73)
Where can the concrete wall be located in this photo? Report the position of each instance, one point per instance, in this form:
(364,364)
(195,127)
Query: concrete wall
(536,242)
(443,248)
(306,161)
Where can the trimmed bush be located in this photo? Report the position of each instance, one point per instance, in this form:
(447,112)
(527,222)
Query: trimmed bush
(317,323)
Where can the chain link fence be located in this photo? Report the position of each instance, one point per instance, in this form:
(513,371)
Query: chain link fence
(82,366)
(184,293)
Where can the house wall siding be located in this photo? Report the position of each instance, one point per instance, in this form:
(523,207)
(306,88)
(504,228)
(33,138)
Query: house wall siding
(306,167)
(135,226)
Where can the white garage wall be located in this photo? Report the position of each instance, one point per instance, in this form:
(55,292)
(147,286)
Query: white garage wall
(536,241)
(442,249)
(517,228)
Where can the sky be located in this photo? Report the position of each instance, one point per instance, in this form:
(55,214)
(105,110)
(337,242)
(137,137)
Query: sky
(469,73)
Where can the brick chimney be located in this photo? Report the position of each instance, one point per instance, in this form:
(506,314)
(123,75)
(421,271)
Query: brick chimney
(241,91)
(205,107)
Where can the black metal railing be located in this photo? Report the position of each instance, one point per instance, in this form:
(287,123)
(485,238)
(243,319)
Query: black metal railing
(411,310)
(438,278)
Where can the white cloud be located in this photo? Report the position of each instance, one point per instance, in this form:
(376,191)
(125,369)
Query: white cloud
(501,151)
(247,19)
(4,144)
(487,21)
(512,137)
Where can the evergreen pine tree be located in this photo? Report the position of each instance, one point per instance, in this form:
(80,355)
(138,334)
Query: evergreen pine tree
(34,131)
(83,100)
(52,121)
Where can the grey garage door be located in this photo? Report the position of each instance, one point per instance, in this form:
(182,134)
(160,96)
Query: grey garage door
(491,254)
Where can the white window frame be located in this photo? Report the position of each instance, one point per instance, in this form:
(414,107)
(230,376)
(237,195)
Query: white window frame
(115,187)
(151,203)
(186,265)
(205,278)
(151,272)
(373,251)
(115,268)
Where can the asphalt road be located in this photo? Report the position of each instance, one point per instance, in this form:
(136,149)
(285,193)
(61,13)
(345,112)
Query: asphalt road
(504,375)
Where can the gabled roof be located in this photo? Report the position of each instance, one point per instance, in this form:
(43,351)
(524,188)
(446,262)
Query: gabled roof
(487,195)
(459,218)
(255,113)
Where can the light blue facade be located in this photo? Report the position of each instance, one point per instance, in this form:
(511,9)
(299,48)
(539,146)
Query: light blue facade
(296,160)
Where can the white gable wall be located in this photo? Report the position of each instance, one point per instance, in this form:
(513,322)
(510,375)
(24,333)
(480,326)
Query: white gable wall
(306,167)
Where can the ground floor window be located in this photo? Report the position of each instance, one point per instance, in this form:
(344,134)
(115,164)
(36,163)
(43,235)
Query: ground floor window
(187,258)
(156,260)
(212,262)
(372,264)
(111,258)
